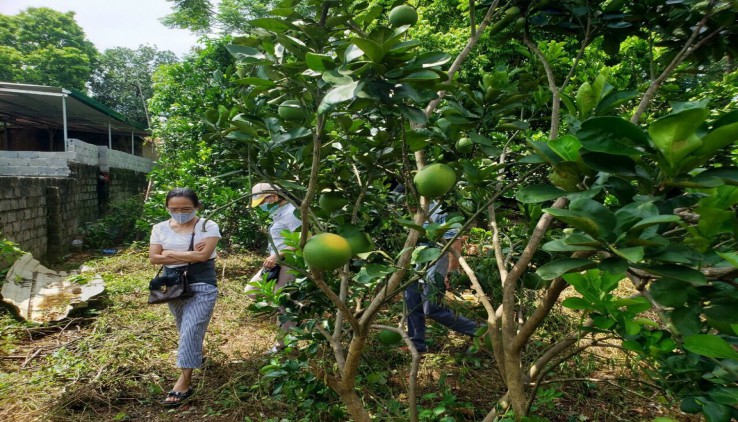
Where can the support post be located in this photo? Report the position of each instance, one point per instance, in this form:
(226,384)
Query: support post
(64,117)
(110,137)
(133,145)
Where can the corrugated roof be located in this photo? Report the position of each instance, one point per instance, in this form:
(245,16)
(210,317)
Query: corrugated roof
(35,105)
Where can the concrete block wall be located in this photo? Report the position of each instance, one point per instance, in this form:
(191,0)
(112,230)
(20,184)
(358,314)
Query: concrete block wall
(35,163)
(43,214)
(83,152)
(57,164)
(118,159)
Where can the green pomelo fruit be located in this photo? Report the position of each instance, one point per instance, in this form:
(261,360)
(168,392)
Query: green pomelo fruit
(332,200)
(291,110)
(389,337)
(464,145)
(435,180)
(403,15)
(690,405)
(359,241)
(326,251)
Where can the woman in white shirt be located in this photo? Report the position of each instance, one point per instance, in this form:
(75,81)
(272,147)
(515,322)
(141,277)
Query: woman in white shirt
(184,240)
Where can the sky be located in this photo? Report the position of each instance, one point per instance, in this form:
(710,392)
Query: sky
(117,23)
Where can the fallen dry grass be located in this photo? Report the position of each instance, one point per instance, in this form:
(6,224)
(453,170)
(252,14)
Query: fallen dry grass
(116,362)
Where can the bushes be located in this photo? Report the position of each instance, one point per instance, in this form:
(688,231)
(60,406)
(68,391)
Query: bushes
(117,226)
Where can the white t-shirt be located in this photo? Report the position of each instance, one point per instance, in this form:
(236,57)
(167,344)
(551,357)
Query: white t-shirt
(162,234)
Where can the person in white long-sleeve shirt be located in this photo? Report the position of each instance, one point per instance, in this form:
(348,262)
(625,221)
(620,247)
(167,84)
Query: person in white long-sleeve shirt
(270,198)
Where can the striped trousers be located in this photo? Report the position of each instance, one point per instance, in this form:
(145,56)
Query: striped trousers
(192,317)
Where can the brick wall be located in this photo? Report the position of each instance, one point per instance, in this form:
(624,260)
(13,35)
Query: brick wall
(43,214)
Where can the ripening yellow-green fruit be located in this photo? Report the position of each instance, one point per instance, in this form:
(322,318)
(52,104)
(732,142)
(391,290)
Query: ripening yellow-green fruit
(326,251)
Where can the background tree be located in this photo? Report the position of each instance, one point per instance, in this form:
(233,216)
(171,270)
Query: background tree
(47,47)
(122,79)
(226,17)
(190,98)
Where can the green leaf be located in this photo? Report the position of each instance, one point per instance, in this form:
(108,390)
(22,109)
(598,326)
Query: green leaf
(352,53)
(633,254)
(612,135)
(432,59)
(425,254)
(716,412)
(560,267)
(657,219)
(413,114)
(710,346)
(422,75)
(589,216)
(585,99)
(675,135)
(670,292)
(724,395)
(731,257)
(373,50)
(677,272)
(371,272)
(728,175)
(615,99)
(318,62)
(576,303)
(613,265)
(272,24)
(722,313)
(560,245)
(686,320)
(566,147)
(717,139)
(404,46)
(334,77)
(245,54)
(620,165)
(337,95)
(266,83)
(538,193)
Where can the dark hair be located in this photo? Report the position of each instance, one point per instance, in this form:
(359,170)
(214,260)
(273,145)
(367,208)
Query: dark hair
(184,192)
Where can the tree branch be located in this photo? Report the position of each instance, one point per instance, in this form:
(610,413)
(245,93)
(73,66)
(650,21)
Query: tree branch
(556,97)
(473,40)
(678,59)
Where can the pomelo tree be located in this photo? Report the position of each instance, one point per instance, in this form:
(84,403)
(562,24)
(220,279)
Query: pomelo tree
(610,190)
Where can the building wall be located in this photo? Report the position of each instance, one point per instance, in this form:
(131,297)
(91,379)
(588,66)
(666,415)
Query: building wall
(45,200)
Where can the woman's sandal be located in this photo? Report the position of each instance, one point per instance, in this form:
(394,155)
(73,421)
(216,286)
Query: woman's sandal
(180,397)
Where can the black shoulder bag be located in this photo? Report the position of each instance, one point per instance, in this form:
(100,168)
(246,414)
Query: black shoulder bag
(172,286)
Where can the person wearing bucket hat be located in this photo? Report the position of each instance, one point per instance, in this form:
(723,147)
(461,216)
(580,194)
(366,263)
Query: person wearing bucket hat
(272,199)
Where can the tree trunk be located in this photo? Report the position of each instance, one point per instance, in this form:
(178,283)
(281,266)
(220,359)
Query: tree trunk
(352,402)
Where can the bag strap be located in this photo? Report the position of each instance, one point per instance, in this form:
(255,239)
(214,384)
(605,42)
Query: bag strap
(192,242)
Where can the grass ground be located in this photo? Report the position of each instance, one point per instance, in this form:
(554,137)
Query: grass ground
(114,363)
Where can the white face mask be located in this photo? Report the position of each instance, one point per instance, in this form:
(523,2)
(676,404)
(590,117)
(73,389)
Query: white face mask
(183,218)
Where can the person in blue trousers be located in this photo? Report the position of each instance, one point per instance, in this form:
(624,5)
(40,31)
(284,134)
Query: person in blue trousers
(423,298)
